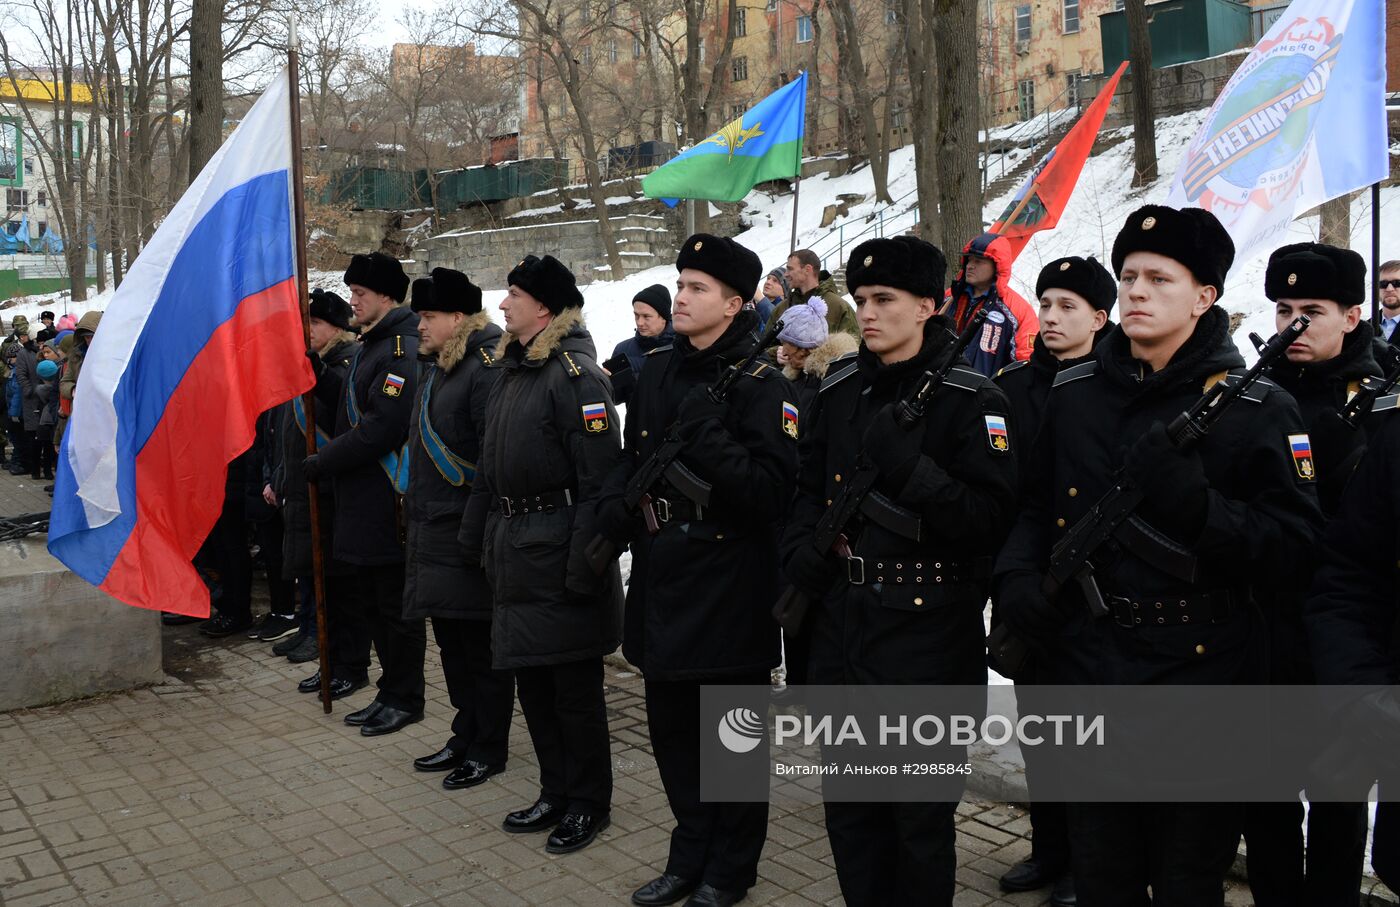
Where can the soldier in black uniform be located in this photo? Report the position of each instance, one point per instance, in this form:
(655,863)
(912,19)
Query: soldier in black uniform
(364,459)
(1326,367)
(702,589)
(901,611)
(1352,615)
(1239,497)
(1076,294)
(551,440)
(444,441)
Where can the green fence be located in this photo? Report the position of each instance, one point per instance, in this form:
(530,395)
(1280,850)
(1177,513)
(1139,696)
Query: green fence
(378,188)
(11,285)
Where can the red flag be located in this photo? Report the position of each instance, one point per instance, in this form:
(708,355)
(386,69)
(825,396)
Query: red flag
(1040,201)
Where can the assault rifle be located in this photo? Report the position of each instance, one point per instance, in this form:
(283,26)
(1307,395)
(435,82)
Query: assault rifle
(663,463)
(1359,406)
(1113,517)
(858,496)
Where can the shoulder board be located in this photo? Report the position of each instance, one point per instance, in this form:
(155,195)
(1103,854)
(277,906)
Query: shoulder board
(398,346)
(1074,373)
(761,370)
(665,348)
(836,376)
(964,379)
(486,356)
(1256,393)
(1386,403)
(1020,363)
(570,366)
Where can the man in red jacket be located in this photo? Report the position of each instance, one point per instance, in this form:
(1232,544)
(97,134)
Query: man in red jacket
(984,282)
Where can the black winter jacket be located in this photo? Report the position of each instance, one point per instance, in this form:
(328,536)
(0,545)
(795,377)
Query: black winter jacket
(548,605)
(438,582)
(382,383)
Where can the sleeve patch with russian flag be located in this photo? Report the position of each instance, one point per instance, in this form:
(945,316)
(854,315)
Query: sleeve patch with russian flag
(393,385)
(1301,449)
(595,417)
(790,419)
(998,439)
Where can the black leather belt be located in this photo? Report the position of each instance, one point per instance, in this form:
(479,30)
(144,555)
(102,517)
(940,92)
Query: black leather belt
(1212,607)
(887,571)
(533,503)
(677,510)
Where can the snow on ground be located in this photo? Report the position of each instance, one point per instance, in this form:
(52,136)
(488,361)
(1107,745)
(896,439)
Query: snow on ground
(1101,202)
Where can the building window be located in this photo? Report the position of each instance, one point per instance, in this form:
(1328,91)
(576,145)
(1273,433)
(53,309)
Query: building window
(741,22)
(702,50)
(897,118)
(16,199)
(739,69)
(891,13)
(612,51)
(1023,24)
(586,58)
(636,48)
(773,42)
(1071,16)
(1025,98)
(804,29)
(736,111)
(43,199)
(43,227)
(1073,80)
(772,6)
(11,152)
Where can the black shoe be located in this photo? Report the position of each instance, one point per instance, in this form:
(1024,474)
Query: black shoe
(709,896)
(171,619)
(388,720)
(355,719)
(48,475)
(538,817)
(665,889)
(219,626)
(1062,895)
(48,489)
(444,760)
(304,651)
(277,626)
(1028,875)
(342,688)
(311,684)
(287,645)
(575,832)
(470,774)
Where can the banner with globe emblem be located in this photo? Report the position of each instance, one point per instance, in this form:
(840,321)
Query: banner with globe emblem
(1301,121)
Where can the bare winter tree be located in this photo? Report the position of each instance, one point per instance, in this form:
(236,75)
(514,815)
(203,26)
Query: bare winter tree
(849,27)
(1144,117)
(960,191)
(206,103)
(61,32)
(920,23)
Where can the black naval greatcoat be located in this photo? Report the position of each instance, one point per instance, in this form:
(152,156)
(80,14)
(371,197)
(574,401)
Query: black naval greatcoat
(371,423)
(917,617)
(443,448)
(1261,516)
(551,431)
(1027,384)
(702,591)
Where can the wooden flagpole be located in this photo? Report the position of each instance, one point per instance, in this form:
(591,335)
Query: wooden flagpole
(318,571)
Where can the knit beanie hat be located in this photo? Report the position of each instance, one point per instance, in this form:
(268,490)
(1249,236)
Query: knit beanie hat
(658,297)
(804,325)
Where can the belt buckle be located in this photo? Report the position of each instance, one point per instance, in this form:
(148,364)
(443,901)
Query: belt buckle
(855,570)
(662,508)
(1122,611)
(506,510)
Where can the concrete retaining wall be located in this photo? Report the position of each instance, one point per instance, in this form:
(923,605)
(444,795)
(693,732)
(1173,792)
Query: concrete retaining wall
(61,639)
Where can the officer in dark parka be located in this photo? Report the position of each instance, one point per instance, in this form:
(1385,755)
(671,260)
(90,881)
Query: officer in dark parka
(1328,365)
(702,589)
(902,610)
(551,438)
(1075,296)
(334,346)
(363,460)
(1238,497)
(444,443)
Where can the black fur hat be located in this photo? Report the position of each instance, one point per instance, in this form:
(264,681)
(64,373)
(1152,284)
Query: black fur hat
(330,308)
(734,265)
(547,280)
(1310,270)
(1192,236)
(903,262)
(1084,276)
(378,272)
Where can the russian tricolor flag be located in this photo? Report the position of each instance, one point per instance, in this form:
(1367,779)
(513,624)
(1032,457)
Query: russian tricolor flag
(203,335)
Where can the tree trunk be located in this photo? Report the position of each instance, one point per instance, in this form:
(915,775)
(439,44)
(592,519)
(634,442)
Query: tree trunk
(1144,117)
(922,56)
(960,196)
(206,129)
(1336,222)
(867,129)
